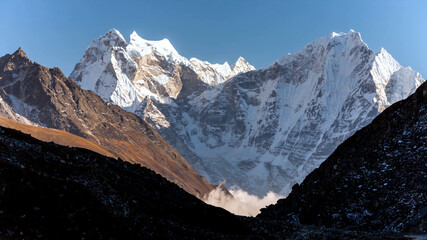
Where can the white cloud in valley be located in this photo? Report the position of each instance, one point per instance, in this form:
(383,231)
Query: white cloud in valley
(240,202)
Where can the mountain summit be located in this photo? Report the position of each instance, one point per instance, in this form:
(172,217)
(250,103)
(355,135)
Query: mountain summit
(260,130)
(36,95)
(127,73)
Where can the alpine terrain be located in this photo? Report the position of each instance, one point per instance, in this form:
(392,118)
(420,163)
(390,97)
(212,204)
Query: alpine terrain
(56,192)
(260,130)
(36,95)
(375,181)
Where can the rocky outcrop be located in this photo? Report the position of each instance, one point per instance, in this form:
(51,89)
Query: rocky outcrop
(45,97)
(375,180)
(55,192)
(50,191)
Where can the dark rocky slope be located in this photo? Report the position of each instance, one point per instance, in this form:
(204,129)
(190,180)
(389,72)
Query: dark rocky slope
(34,94)
(376,180)
(49,191)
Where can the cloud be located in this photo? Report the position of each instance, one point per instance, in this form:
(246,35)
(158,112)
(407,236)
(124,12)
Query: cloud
(240,202)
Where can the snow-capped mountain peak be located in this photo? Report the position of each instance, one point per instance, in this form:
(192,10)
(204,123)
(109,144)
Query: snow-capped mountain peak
(214,74)
(242,65)
(261,130)
(139,47)
(392,80)
(340,42)
(127,73)
(108,40)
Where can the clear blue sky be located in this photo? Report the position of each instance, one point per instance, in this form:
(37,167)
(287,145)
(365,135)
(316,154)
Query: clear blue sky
(56,33)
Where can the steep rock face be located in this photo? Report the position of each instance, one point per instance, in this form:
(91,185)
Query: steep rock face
(126,74)
(7,111)
(274,126)
(55,192)
(45,97)
(375,180)
(265,130)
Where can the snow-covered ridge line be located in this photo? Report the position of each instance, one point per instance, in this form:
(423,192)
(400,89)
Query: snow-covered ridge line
(127,73)
(261,130)
(350,39)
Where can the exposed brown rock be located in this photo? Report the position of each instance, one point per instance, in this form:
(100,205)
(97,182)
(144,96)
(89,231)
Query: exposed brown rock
(59,103)
(49,191)
(57,136)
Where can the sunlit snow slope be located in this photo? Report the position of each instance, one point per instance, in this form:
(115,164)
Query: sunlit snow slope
(261,130)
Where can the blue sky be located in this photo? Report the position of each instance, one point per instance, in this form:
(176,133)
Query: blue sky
(56,33)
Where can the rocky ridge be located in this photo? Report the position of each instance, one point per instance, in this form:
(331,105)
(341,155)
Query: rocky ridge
(262,130)
(128,73)
(49,191)
(33,94)
(375,180)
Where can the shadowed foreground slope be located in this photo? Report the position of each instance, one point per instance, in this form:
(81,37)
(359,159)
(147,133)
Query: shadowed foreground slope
(376,180)
(49,191)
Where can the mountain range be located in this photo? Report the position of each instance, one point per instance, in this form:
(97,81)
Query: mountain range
(57,192)
(343,129)
(39,96)
(371,187)
(259,130)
